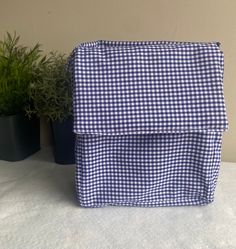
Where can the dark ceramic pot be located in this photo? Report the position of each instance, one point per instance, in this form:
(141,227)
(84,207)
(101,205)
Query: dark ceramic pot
(19,137)
(64,141)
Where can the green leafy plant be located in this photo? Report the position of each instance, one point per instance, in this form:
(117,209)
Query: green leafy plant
(51,95)
(19,67)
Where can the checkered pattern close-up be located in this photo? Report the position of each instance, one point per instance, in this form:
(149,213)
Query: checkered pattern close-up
(149,118)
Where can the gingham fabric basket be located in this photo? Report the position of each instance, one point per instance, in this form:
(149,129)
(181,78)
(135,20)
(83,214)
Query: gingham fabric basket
(149,118)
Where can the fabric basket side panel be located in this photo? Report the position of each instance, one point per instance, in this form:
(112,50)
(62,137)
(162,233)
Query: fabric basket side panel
(147,170)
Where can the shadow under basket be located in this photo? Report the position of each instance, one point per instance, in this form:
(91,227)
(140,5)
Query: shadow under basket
(20,137)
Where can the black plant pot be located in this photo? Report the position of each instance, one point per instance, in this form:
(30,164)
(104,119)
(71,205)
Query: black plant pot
(64,141)
(19,137)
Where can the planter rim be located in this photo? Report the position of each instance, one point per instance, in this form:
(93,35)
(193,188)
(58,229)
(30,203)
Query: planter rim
(61,121)
(13,115)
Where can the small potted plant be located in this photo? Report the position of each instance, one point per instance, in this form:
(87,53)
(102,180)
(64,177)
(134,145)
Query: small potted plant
(19,67)
(52,98)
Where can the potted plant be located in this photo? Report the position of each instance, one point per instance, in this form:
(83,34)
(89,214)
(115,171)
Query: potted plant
(52,98)
(19,65)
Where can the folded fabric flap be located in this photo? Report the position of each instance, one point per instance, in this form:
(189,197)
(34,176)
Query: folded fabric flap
(123,87)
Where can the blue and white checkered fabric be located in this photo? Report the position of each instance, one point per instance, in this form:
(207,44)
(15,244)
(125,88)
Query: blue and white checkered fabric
(149,118)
